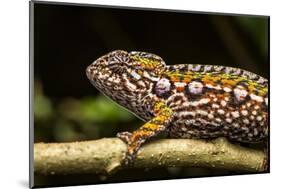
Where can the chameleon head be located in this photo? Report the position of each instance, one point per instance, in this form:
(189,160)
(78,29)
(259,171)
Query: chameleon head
(126,77)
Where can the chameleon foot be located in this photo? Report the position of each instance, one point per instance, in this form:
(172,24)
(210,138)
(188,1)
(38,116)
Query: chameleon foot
(124,136)
(130,156)
(129,160)
(149,129)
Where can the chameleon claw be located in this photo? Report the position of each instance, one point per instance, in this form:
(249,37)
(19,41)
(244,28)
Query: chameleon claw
(128,160)
(132,148)
(124,136)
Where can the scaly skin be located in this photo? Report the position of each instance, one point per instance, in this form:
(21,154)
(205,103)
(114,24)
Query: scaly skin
(187,101)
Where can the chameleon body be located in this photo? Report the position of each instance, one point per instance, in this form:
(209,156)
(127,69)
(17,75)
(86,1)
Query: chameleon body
(185,100)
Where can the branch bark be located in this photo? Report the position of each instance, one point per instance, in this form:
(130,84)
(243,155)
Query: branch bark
(105,156)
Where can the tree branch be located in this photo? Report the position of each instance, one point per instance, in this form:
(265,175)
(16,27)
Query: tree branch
(105,156)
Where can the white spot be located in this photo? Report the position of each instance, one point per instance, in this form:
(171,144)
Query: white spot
(240,93)
(235,114)
(190,122)
(213,87)
(203,122)
(110,79)
(252,117)
(145,74)
(197,68)
(254,112)
(220,111)
(228,70)
(117,80)
(202,112)
(228,120)
(204,100)
(249,104)
(218,120)
(223,103)
(256,98)
(256,107)
(184,129)
(266,101)
(227,89)
(245,129)
(236,71)
(261,80)
(180,84)
(215,99)
(186,113)
(209,86)
(244,112)
(246,121)
(207,68)
(195,87)
(226,98)
(215,106)
(236,125)
(255,131)
(259,118)
(210,116)
(194,103)
(190,132)
(141,83)
(214,124)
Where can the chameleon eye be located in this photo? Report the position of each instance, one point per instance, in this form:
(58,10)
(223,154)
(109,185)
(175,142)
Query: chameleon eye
(118,69)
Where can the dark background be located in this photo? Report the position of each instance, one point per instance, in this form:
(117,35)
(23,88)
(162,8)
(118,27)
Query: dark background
(68,38)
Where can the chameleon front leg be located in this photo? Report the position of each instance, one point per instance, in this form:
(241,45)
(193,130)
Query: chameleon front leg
(159,123)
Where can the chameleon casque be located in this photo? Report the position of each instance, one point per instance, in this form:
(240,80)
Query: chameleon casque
(185,100)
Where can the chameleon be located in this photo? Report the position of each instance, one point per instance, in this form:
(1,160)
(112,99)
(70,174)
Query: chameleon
(186,100)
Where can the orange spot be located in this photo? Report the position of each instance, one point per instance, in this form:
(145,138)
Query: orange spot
(228,82)
(175,79)
(180,89)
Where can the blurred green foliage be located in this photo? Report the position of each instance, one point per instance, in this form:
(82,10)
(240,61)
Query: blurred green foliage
(73,119)
(101,109)
(42,105)
(257,28)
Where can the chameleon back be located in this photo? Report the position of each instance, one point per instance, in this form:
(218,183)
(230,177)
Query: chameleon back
(213,101)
